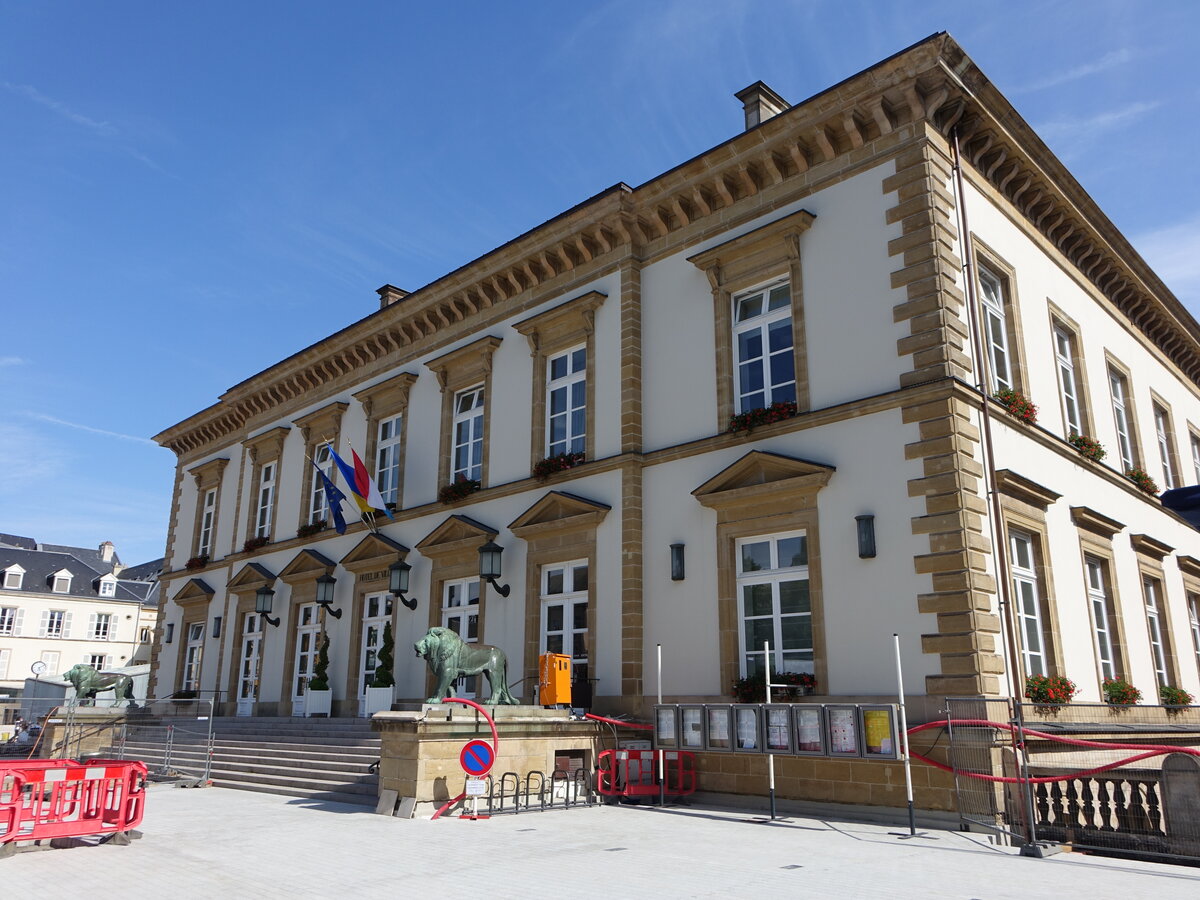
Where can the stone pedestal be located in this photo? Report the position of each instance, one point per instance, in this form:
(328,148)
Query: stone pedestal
(420,747)
(79,733)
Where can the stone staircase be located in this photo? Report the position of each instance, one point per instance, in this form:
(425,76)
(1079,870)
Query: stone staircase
(319,759)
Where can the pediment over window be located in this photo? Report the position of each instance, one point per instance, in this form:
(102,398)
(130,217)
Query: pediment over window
(1148,546)
(268,445)
(372,552)
(455,535)
(1188,565)
(386,397)
(1024,489)
(307,564)
(760,474)
(322,423)
(251,577)
(209,474)
(1095,522)
(195,591)
(557,512)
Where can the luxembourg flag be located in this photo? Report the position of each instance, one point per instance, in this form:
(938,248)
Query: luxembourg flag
(366,494)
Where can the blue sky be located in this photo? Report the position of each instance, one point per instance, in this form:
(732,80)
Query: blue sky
(192,192)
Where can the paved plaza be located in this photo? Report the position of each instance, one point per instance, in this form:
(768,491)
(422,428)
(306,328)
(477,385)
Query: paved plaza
(228,844)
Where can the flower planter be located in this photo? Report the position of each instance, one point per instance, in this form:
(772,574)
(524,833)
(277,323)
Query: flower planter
(376,699)
(317,703)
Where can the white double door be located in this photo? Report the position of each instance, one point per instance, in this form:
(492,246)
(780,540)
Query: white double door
(251,664)
(460,614)
(377,611)
(308,634)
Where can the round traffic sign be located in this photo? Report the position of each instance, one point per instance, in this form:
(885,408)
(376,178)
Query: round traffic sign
(477,758)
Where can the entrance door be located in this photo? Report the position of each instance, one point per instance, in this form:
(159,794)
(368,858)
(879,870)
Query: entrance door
(308,632)
(460,613)
(191,660)
(565,621)
(252,636)
(377,611)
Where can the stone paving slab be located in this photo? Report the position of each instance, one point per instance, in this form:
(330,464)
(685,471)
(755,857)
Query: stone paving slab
(232,844)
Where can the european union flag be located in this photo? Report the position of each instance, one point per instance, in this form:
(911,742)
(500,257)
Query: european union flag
(334,498)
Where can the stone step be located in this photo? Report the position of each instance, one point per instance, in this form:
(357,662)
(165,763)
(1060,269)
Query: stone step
(367,803)
(351,770)
(295,782)
(298,754)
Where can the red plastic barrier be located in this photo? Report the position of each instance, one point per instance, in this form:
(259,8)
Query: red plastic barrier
(634,773)
(50,798)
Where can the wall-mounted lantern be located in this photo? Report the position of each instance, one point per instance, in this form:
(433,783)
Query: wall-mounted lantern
(489,566)
(398,573)
(677,572)
(264,598)
(325,585)
(866,536)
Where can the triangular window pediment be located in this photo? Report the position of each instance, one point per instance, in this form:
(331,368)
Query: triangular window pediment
(559,510)
(371,551)
(307,563)
(252,576)
(454,534)
(760,472)
(195,589)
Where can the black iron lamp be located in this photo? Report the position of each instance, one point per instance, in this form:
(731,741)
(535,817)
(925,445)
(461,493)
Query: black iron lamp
(866,536)
(489,566)
(677,570)
(398,582)
(264,597)
(325,586)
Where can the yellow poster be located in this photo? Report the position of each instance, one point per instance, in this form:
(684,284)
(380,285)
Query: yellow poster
(878,726)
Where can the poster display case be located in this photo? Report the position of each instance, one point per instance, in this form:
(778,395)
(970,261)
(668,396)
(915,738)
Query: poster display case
(842,731)
(810,729)
(880,734)
(666,727)
(691,728)
(748,729)
(777,729)
(718,728)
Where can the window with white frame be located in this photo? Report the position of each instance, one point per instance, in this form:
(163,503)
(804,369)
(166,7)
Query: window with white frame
(5,656)
(9,618)
(61,583)
(1164,435)
(1159,651)
(318,503)
(1027,593)
(1068,383)
(56,623)
(566,402)
(108,587)
(460,614)
(1119,388)
(1195,442)
(764,355)
(100,627)
(387,455)
(466,459)
(99,661)
(192,656)
(564,595)
(266,501)
(14,576)
(1097,590)
(143,635)
(1194,624)
(209,509)
(51,659)
(995,328)
(773,592)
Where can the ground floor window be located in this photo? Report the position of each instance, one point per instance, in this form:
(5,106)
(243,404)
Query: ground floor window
(1027,596)
(460,613)
(564,596)
(775,606)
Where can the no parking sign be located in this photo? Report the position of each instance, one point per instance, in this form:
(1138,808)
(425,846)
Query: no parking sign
(477,758)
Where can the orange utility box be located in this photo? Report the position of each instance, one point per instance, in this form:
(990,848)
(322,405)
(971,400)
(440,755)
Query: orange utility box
(554,682)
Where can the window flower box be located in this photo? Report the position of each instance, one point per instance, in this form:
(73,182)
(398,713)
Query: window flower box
(1049,690)
(1089,447)
(1173,696)
(1143,480)
(763,415)
(254,543)
(1018,405)
(458,490)
(197,562)
(560,462)
(784,686)
(305,531)
(1119,692)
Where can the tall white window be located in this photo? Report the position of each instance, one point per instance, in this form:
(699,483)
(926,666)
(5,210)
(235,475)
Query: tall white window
(1120,401)
(9,617)
(204,544)
(773,592)
(763,346)
(1068,384)
(995,328)
(566,402)
(1194,624)
(99,661)
(266,501)
(1162,432)
(1195,442)
(1098,597)
(318,503)
(1027,594)
(387,469)
(377,612)
(565,613)
(192,657)
(460,613)
(100,627)
(14,575)
(467,454)
(1158,640)
(56,623)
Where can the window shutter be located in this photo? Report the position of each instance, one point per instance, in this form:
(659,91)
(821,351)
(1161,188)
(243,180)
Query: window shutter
(112,628)
(17,622)
(45,623)
(66,629)
(92,620)
(4,655)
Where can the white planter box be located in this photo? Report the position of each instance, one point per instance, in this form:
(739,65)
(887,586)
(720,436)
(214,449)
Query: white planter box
(318,703)
(377,700)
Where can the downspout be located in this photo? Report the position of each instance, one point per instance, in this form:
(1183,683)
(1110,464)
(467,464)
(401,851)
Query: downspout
(999,541)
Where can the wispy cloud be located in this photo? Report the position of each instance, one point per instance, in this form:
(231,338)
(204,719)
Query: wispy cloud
(104,129)
(1108,61)
(1174,253)
(11,361)
(1074,133)
(42,417)
(25,462)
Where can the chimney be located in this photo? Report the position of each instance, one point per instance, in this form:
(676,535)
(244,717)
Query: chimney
(389,294)
(106,551)
(760,103)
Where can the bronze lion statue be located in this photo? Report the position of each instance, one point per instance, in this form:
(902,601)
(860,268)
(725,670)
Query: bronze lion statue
(88,682)
(450,657)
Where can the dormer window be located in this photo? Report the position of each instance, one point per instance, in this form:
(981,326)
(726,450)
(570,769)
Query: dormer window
(108,586)
(14,575)
(60,582)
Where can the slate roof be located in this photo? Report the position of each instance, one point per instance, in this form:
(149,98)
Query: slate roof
(147,571)
(15,540)
(83,554)
(41,564)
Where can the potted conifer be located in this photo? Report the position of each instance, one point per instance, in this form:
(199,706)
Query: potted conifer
(379,693)
(318,698)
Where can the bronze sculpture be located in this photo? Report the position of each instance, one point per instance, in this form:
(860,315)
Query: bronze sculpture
(88,682)
(451,658)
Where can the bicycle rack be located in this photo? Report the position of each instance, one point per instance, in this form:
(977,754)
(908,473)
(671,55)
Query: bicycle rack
(541,788)
(516,793)
(581,776)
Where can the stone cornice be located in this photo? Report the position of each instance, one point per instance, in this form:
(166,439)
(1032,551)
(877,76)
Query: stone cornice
(1024,489)
(1097,523)
(932,84)
(1148,546)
